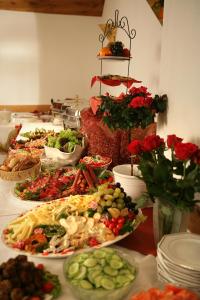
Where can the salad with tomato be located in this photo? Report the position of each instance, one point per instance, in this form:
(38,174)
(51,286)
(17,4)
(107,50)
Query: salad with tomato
(96,161)
(170,292)
(50,185)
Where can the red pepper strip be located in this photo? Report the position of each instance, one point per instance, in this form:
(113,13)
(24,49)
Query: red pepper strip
(74,185)
(92,174)
(88,178)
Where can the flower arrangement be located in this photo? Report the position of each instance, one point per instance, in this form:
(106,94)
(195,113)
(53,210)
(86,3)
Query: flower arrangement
(170,169)
(135,109)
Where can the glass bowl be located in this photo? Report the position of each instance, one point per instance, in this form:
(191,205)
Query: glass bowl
(83,265)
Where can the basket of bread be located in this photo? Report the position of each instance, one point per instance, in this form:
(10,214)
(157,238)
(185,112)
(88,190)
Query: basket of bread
(20,165)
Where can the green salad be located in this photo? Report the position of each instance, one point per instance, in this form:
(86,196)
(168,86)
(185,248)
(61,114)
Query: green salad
(66,140)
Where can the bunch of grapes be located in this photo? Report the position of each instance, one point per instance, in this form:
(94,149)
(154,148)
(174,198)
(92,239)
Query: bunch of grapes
(115,197)
(117,48)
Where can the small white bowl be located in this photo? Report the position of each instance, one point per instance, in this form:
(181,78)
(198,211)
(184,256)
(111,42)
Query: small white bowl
(63,157)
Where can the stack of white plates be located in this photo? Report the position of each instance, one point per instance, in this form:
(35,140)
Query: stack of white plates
(178,260)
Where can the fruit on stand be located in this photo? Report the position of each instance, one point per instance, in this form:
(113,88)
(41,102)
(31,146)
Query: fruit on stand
(115,49)
(105,51)
(126,52)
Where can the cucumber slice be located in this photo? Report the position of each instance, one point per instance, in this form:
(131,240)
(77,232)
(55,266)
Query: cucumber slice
(73,270)
(85,284)
(96,268)
(81,257)
(99,253)
(116,264)
(109,251)
(116,257)
(107,283)
(90,262)
(102,262)
(97,280)
(110,271)
(92,275)
(121,279)
(75,282)
(81,274)
(126,272)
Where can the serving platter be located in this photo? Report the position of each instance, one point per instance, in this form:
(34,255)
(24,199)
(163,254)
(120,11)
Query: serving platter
(61,227)
(69,252)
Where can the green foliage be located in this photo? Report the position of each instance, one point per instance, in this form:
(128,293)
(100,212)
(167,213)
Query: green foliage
(117,114)
(171,181)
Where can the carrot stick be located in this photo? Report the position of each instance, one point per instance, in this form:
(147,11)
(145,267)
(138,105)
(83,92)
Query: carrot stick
(92,174)
(88,178)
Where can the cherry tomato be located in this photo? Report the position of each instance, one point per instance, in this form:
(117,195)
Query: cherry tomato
(121,220)
(47,287)
(93,242)
(114,220)
(116,231)
(111,226)
(119,226)
(40,266)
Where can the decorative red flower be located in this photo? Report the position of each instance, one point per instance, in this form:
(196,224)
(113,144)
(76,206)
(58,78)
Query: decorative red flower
(152,142)
(140,90)
(172,139)
(137,102)
(140,101)
(135,147)
(185,151)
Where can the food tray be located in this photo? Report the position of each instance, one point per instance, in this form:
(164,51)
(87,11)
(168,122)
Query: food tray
(21,175)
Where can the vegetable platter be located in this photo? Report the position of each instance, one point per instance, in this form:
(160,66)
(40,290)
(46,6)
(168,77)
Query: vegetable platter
(57,183)
(76,223)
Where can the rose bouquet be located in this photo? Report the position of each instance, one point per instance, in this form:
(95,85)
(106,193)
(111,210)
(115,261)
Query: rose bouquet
(170,169)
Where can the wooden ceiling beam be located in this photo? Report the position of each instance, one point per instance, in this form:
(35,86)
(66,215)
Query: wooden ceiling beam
(66,7)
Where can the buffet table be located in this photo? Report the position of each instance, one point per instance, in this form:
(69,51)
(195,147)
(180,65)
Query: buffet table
(138,246)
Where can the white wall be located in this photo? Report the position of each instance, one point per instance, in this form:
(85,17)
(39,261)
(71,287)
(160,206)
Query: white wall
(146,47)
(180,68)
(44,56)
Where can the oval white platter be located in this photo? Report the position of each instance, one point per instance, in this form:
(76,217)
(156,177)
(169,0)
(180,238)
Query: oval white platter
(65,252)
(70,252)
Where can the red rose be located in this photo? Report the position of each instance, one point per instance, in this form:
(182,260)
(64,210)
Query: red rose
(185,151)
(137,102)
(172,140)
(152,142)
(135,147)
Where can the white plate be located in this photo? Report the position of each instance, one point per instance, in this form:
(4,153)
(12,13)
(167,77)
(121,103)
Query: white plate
(182,249)
(114,57)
